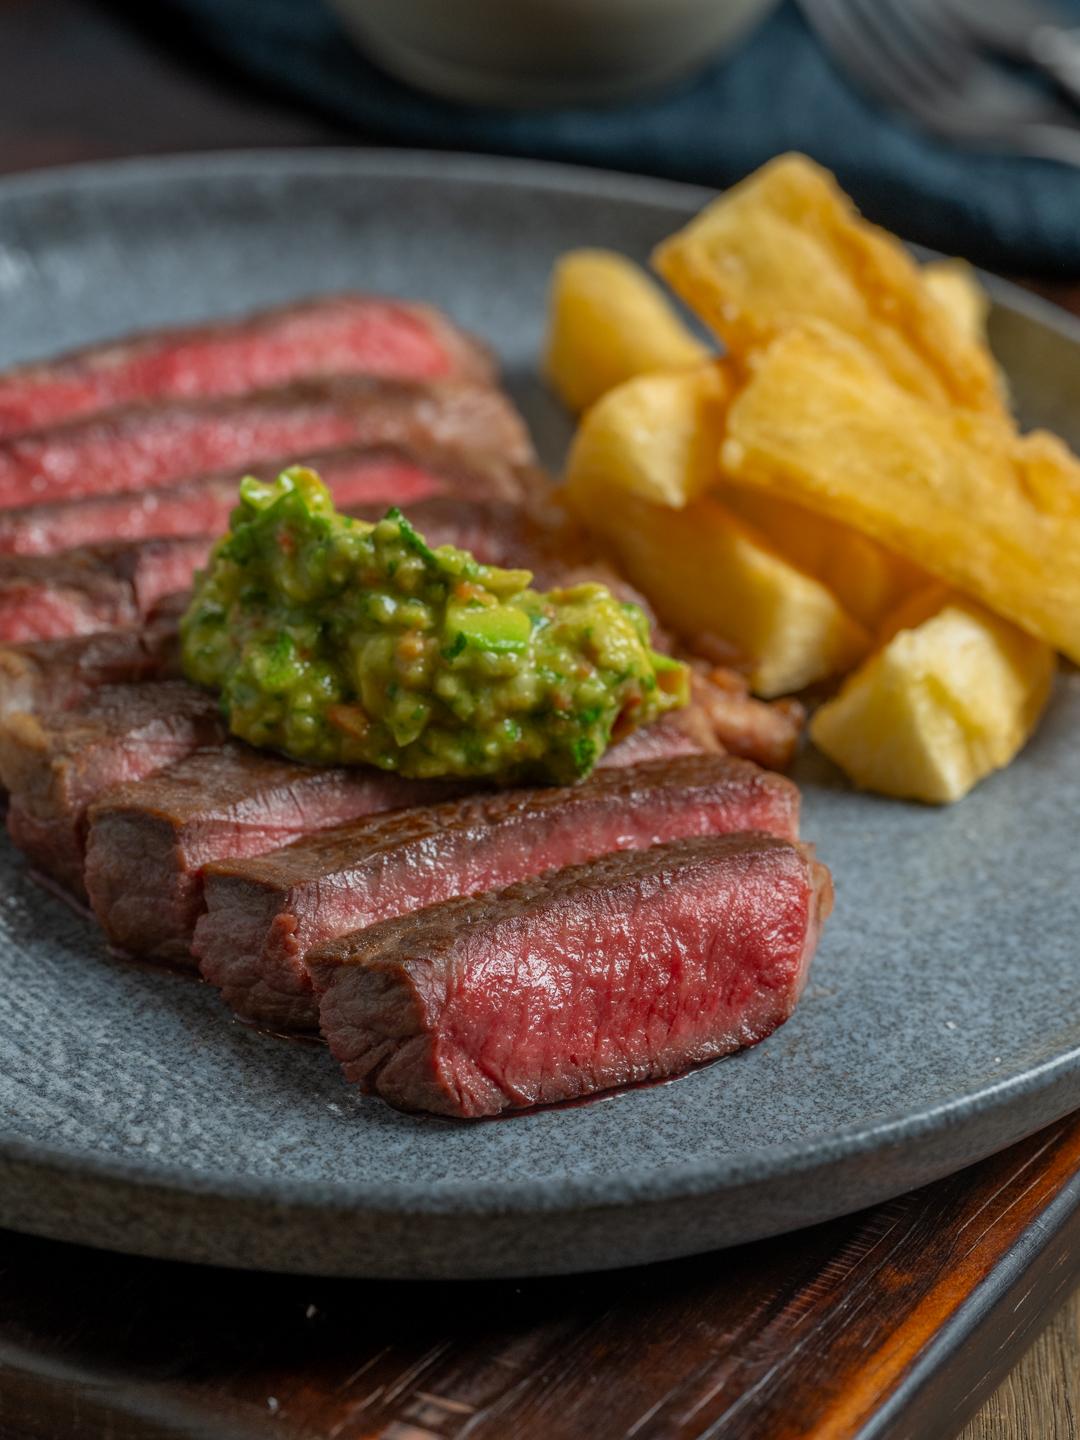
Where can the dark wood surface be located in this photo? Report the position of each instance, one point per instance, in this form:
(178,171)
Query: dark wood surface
(891,1325)
(78,84)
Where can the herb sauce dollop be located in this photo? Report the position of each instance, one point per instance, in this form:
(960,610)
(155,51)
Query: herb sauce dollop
(337,641)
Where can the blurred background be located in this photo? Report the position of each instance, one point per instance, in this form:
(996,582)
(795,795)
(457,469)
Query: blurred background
(954,122)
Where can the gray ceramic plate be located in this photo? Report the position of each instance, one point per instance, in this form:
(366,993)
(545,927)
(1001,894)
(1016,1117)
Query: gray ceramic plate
(942,1018)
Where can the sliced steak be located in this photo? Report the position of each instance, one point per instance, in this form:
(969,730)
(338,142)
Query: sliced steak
(105,587)
(54,765)
(110,586)
(357,475)
(722,716)
(679,732)
(264,914)
(633,968)
(330,335)
(145,447)
(764,731)
(148,841)
(57,674)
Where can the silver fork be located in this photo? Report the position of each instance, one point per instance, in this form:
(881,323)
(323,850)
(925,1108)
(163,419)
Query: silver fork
(909,54)
(1031,32)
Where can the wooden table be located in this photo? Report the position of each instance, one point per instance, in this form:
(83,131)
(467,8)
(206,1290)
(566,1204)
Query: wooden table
(798,1336)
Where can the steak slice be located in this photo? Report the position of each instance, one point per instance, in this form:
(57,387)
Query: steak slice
(145,447)
(357,475)
(679,732)
(722,716)
(332,334)
(633,968)
(57,674)
(101,587)
(55,765)
(148,841)
(264,914)
(766,732)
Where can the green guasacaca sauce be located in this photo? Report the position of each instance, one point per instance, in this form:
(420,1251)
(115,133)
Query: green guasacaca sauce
(341,642)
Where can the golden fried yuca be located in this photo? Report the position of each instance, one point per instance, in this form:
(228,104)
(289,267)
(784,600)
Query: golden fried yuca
(657,436)
(954,694)
(961,495)
(707,573)
(954,286)
(868,580)
(608,320)
(787,245)
(910,613)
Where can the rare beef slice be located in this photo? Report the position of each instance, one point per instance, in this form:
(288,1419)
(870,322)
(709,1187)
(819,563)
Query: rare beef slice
(54,765)
(358,475)
(119,584)
(145,447)
(329,335)
(42,675)
(633,968)
(148,841)
(264,914)
(97,587)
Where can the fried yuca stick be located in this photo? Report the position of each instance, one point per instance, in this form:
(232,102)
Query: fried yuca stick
(608,321)
(955,287)
(786,246)
(993,513)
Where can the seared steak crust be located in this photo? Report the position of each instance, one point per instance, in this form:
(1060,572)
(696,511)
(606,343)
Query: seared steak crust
(766,732)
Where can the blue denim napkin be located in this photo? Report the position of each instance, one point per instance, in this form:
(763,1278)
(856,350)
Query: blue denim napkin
(777,92)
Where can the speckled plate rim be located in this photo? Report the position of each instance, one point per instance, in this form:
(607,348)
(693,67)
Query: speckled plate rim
(564,1193)
(1045,1091)
(497,171)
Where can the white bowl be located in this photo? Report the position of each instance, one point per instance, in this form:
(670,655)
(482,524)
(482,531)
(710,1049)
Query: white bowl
(542,52)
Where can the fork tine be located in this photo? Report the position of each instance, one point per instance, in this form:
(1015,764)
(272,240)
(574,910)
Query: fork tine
(845,35)
(965,98)
(902,42)
(959,85)
(948,111)
(930,39)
